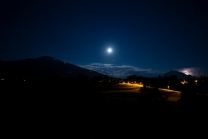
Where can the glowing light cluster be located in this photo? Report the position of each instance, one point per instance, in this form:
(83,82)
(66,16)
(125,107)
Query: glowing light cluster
(184,82)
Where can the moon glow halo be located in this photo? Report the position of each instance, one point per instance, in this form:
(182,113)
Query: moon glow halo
(109,50)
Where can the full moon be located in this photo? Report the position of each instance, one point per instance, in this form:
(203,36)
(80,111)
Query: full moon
(109,50)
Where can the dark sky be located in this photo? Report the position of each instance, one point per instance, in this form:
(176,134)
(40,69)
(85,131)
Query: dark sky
(146,35)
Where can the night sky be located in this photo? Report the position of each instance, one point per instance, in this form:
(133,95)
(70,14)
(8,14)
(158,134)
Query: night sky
(147,37)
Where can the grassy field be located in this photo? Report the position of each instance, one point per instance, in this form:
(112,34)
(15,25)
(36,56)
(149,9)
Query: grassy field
(96,111)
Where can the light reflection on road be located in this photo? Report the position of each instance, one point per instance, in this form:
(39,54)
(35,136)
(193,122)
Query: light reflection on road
(134,88)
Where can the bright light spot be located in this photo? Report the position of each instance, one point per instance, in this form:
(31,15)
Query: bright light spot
(187,71)
(109,50)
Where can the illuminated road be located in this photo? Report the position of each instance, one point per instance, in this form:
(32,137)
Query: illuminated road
(168,90)
(124,88)
(134,88)
(173,94)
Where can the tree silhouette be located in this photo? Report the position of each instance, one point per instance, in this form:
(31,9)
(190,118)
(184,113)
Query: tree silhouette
(106,78)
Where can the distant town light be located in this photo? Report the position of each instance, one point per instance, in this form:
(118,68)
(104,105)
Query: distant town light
(2,79)
(168,87)
(196,81)
(184,82)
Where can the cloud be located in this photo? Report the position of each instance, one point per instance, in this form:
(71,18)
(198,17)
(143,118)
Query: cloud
(194,71)
(121,71)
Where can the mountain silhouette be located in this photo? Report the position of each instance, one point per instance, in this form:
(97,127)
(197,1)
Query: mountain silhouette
(42,66)
(179,75)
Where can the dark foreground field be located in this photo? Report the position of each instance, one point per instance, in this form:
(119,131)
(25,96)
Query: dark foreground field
(81,111)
